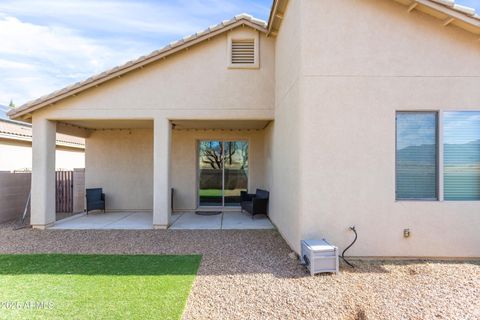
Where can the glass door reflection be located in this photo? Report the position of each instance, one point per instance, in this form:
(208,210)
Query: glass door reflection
(235,171)
(223,172)
(210,173)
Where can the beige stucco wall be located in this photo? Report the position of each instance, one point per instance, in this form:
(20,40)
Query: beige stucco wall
(373,59)
(185,157)
(332,80)
(17,155)
(192,84)
(121,162)
(282,138)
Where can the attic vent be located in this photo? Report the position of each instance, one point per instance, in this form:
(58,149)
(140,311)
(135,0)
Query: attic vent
(243,52)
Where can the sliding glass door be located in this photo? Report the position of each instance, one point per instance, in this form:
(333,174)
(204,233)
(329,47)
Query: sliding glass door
(223,172)
(235,172)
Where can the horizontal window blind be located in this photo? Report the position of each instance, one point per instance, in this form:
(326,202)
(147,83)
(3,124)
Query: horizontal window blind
(416,156)
(461,149)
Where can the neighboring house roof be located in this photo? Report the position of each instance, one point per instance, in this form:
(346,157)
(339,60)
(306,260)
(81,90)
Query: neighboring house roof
(3,111)
(173,47)
(15,130)
(448,10)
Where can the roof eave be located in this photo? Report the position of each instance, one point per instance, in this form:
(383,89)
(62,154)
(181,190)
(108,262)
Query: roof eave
(277,12)
(25,111)
(449,9)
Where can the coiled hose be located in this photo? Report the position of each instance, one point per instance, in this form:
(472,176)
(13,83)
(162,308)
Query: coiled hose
(351,244)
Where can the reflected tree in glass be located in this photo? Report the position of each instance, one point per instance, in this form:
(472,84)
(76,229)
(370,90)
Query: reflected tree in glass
(211,173)
(235,171)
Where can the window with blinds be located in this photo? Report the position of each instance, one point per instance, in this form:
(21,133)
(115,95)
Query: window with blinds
(461,155)
(243,52)
(416,156)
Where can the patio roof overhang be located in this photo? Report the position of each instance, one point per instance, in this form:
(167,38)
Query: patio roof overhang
(221,124)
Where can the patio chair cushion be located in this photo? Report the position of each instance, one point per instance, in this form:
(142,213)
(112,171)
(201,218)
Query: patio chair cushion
(262,194)
(255,203)
(95,199)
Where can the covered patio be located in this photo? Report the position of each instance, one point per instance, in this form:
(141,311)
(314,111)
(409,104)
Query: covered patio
(227,220)
(156,173)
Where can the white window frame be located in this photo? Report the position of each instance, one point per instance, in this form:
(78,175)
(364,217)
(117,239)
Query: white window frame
(440,153)
(437,160)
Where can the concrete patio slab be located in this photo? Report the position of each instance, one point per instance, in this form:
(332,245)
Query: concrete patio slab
(192,221)
(240,220)
(231,220)
(110,220)
(140,220)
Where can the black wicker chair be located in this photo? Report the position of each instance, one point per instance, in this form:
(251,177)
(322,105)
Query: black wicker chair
(95,199)
(255,203)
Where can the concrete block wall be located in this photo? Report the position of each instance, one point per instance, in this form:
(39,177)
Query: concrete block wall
(14,190)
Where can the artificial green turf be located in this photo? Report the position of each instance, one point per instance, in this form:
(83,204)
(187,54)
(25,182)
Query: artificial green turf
(70,286)
(210,193)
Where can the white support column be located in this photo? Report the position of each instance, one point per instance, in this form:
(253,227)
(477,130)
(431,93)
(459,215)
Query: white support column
(161,173)
(43,173)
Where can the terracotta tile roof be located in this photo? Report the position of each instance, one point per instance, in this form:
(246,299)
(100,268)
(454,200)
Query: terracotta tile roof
(471,12)
(15,130)
(448,7)
(141,61)
(468,20)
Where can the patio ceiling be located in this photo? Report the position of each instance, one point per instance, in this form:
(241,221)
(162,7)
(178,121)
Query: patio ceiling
(220,124)
(110,124)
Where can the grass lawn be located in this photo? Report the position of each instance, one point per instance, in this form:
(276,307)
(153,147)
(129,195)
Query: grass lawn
(64,286)
(218,192)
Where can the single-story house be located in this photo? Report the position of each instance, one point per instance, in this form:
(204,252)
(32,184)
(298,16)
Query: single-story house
(362,113)
(16,148)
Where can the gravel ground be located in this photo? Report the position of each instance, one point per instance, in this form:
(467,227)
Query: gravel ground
(249,275)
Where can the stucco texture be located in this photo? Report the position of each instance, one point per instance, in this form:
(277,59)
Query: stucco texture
(191,84)
(121,162)
(374,59)
(331,81)
(17,156)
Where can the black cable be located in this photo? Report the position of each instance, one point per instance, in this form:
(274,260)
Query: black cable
(351,244)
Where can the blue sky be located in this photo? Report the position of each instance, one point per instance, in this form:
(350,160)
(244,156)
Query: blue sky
(48,44)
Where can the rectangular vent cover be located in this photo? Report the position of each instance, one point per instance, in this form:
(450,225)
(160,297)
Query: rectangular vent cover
(243,51)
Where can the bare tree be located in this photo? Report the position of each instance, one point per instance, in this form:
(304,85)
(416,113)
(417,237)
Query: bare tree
(210,156)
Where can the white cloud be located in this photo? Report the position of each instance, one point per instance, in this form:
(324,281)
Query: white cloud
(48,44)
(36,60)
(167,17)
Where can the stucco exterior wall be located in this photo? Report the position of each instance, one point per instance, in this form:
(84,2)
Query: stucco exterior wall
(191,84)
(373,59)
(283,135)
(194,84)
(121,162)
(185,157)
(17,155)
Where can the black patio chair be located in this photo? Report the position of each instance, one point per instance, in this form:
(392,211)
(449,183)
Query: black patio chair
(255,203)
(95,199)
